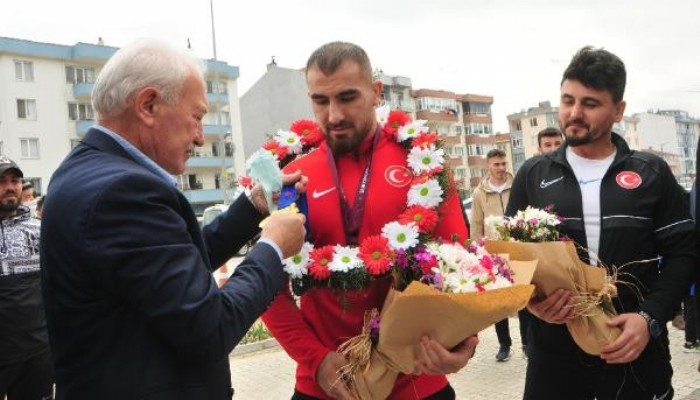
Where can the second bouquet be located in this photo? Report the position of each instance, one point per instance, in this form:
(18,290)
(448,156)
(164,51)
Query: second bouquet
(534,233)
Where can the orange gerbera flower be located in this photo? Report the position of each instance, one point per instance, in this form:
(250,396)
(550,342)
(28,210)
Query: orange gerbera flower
(276,150)
(320,258)
(308,130)
(245,181)
(424,140)
(376,254)
(425,218)
(394,121)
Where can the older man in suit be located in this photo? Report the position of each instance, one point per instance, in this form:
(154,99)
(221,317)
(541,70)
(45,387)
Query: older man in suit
(133,310)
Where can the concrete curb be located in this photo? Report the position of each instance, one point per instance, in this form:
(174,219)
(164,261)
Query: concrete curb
(253,347)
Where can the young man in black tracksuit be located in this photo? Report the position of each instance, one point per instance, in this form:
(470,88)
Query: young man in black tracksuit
(626,208)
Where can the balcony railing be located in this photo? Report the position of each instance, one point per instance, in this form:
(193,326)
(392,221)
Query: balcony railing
(216,130)
(208,160)
(82,90)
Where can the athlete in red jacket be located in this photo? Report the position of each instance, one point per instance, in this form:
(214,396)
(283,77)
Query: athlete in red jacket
(344,97)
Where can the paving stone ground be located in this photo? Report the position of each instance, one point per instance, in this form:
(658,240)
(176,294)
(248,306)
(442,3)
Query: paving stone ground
(269,374)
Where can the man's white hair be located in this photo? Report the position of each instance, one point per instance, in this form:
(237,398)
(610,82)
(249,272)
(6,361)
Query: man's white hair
(143,63)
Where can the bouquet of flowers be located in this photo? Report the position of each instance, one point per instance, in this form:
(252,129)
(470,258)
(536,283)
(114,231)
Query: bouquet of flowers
(534,233)
(448,292)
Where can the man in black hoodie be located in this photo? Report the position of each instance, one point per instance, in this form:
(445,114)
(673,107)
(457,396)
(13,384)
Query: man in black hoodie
(625,209)
(25,364)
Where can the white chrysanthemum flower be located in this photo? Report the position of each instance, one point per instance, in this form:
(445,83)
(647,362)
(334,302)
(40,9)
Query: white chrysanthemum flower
(499,283)
(425,159)
(297,265)
(382,114)
(290,140)
(401,236)
(344,259)
(412,129)
(427,194)
(456,282)
(491,225)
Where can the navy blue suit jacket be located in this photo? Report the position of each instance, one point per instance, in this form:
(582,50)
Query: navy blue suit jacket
(133,310)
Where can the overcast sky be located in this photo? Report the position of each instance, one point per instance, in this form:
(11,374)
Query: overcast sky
(513,50)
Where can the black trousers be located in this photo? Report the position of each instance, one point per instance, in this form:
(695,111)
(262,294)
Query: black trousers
(31,379)
(503,333)
(524,317)
(692,318)
(446,393)
(583,377)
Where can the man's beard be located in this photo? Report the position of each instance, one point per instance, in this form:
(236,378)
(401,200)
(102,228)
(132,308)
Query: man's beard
(575,141)
(9,206)
(347,144)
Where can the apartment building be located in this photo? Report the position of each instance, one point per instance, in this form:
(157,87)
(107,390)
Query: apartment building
(524,127)
(671,134)
(464,123)
(45,109)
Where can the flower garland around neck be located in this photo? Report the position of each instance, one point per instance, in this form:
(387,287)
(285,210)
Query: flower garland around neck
(355,267)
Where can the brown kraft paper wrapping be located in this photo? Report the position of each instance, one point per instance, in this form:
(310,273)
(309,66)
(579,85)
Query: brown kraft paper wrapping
(560,267)
(449,318)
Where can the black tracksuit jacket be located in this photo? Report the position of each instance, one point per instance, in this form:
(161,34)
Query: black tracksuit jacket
(640,223)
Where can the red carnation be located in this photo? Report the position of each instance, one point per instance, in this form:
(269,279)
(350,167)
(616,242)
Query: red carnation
(425,218)
(425,139)
(309,132)
(394,121)
(245,181)
(320,258)
(376,254)
(273,147)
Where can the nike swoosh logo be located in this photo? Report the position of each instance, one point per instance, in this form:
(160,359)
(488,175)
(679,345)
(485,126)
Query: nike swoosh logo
(315,195)
(545,184)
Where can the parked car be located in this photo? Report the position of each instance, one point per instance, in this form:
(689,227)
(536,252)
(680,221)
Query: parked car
(211,212)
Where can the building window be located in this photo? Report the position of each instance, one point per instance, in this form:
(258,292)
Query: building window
(217,87)
(26,109)
(29,148)
(476,108)
(533,121)
(24,70)
(477,128)
(80,112)
(80,74)
(218,118)
(437,105)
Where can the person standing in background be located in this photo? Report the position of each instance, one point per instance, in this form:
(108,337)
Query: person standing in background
(490,198)
(26,371)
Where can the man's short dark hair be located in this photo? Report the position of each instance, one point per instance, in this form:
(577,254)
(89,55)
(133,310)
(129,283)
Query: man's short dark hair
(598,69)
(495,153)
(330,56)
(548,132)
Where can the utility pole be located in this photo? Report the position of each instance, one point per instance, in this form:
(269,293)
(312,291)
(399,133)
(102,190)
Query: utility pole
(217,86)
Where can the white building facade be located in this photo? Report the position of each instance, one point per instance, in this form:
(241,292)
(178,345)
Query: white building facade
(45,109)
